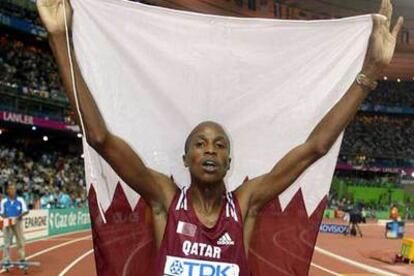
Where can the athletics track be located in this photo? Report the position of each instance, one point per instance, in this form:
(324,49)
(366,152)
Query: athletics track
(71,254)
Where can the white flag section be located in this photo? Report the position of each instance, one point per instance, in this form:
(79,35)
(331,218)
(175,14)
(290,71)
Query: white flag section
(156,73)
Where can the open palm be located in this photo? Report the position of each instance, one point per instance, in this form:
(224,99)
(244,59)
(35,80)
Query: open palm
(383,39)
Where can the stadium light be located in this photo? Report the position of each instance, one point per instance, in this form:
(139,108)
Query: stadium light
(79,135)
(412,174)
(34,127)
(1,132)
(45,138)
(398,80)
(385,78)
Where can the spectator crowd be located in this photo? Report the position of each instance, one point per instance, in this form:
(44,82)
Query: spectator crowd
(380,136)
(44,180)
(391,93)
(28,69)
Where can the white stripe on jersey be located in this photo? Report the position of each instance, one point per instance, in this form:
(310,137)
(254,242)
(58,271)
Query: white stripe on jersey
(182,201)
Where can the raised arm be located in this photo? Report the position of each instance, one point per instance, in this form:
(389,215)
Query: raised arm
(255,193)
(155,188)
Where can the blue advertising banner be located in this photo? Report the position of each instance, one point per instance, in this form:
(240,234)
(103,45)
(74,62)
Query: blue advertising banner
(22,25)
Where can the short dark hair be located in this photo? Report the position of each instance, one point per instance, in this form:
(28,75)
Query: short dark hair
(188,140)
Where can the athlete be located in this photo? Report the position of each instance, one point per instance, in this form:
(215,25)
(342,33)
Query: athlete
(204,222)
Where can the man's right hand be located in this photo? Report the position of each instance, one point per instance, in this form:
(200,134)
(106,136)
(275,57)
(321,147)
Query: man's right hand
(52,16)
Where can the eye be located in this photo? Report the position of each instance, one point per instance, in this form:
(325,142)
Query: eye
(199,144)
(221,145)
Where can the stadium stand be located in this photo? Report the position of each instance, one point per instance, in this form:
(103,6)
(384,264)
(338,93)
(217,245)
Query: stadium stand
(392,93)
(380,136)
(29,69)
(20,9)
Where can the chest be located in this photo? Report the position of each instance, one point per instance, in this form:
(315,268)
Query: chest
(208,220)
(11,206)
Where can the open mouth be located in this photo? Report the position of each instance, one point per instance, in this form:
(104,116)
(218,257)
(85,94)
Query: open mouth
(209,166)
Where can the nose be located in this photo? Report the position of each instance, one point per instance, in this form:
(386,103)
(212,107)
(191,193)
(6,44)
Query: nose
(209,149)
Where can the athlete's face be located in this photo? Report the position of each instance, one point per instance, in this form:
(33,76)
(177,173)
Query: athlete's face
(208,153)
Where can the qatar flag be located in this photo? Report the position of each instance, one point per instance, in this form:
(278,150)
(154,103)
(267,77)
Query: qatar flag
(156,73)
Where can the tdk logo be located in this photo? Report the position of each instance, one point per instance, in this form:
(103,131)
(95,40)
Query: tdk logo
(175,266)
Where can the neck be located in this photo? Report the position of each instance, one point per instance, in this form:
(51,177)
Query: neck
(207,198)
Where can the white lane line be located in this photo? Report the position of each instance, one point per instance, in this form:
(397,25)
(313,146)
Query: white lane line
(365,267)
(53,248)
(325,269)
(72,264)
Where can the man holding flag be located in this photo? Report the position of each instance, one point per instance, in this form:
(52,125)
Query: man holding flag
(203,226)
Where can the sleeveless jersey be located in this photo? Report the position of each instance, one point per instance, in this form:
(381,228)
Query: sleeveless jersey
(189,248)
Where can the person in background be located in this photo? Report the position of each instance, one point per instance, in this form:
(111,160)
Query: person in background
(394,215)
(407,214)
(355,219)
(363,215)
(13,208)
(63,199)
(47,199)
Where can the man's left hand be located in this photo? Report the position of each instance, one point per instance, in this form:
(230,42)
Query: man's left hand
(382,41)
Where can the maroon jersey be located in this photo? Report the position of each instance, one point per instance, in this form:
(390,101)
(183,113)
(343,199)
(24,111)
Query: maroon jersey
(189,248)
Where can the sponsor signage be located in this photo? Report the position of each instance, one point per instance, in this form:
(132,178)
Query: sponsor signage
(175,266)
(47,222)
(35,225)
(68,220)
(30,120)
(333,228)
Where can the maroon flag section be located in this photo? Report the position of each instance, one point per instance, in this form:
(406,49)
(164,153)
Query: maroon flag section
(282,244)
(123,245)
(283,241)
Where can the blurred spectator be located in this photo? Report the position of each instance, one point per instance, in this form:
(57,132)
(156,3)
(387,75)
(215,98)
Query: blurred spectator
(47,200)
(63,199)
(394,215)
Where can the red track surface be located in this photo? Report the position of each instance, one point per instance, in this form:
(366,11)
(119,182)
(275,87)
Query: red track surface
(71,253)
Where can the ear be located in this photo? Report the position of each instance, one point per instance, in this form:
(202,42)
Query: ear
(228,165)
(185,160)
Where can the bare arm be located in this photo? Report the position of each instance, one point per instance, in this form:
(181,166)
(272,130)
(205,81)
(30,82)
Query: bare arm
(154,187)
(255,193)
